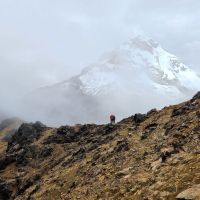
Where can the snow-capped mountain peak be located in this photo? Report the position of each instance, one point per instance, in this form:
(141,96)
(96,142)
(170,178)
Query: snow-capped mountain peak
(136,59)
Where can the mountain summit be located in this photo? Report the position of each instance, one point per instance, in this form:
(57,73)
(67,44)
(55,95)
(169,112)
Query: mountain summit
(137,76)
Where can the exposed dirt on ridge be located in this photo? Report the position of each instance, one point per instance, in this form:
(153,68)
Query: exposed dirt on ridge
(149,157)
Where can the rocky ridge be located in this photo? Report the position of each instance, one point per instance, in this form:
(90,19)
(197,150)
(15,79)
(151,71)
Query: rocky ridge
(146,156)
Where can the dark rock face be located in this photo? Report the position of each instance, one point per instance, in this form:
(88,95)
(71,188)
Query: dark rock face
(6,160)
(93,135)
(22,185)
(198,114)
(90,136)
(192,105)
(26,134)
(80,154)
(108,129)
(46,152)
(138,118)
(66,130)
(25,154)
(196,96)
(178,111)
(154,110)
(5,190)
(122,145)
(66,134)
(19,149)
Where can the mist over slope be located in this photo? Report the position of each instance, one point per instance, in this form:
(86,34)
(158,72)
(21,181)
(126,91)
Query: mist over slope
(135,77)
(8,127)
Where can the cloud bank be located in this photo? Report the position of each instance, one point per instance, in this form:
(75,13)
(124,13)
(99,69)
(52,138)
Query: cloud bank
(44,42)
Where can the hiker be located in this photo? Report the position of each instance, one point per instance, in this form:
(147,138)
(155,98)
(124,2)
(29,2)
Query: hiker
(112,119)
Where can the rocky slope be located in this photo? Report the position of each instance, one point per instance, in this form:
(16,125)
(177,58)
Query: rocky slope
(117,83)
(153,156)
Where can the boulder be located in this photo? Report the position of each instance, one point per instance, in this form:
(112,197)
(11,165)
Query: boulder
(138,118)
(192,193)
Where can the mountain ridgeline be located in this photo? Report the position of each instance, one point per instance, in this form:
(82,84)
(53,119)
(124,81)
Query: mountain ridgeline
(145,156)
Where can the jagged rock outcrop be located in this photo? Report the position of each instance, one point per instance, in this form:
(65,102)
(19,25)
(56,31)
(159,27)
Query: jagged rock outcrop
(150,156)
(26,134)
(138,118)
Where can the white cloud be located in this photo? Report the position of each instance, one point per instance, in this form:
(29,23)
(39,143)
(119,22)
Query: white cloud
(44,41)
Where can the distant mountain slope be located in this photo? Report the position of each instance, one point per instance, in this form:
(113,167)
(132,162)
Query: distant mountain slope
(138,75)
(145,156)
(8,127)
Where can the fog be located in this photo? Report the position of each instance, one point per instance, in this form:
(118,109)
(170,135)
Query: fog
(43,42)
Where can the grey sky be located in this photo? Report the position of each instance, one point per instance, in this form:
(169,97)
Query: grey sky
(45,41)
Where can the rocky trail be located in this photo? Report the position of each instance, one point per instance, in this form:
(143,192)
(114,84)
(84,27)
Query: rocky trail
(153,156)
